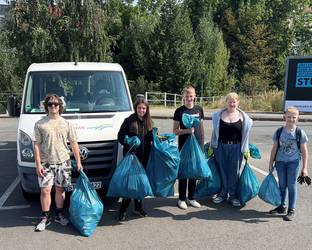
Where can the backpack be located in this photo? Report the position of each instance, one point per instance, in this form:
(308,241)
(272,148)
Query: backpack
(298,136)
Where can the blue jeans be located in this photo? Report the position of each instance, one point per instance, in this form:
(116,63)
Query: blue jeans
(287,173)
(229,158)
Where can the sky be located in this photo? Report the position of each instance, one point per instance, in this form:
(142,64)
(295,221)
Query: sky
(3,2)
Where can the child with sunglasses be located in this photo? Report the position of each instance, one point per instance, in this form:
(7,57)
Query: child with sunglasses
(52,158)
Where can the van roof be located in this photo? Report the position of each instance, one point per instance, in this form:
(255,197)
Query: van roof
(70,66)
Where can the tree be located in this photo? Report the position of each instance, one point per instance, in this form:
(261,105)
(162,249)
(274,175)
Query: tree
(44,31)
(247,36)
(175,48)
(282,16)
(213,59)
(9,80)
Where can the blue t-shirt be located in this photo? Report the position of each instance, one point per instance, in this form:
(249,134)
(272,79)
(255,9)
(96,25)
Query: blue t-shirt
(288,149)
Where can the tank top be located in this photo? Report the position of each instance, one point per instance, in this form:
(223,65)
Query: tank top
(230,131)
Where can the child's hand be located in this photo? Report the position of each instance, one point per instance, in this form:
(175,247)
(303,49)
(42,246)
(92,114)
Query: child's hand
(304,172)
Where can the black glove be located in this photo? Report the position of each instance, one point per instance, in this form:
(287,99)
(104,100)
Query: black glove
(304,179)
(308,180)
(300,179)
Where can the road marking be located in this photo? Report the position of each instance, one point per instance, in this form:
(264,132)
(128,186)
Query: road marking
(14,207)
(7,149)
(7,194)
(259,170)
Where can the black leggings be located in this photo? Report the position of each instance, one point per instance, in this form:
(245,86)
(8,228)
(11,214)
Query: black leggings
(126,202)
(182,189)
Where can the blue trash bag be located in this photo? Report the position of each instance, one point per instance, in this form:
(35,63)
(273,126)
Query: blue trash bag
(163,164)
(248,185)
(269,191)
(193,164)
(86,207)
(254,151)
(209,186)
(190,121)
(130,180)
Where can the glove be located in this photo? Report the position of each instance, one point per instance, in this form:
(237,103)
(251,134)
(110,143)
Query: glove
(304,179)
(133,141)
(308,180)
(247,155)
(210,152)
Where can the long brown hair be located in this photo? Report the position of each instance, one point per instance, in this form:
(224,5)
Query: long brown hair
(147,116)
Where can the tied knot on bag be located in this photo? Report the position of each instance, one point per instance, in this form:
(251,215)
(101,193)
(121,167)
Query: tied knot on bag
(190,121)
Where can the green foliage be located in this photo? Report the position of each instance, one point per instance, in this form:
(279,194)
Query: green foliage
(246,35)
(175,48)
(213,59)
(9,80)
(216,45)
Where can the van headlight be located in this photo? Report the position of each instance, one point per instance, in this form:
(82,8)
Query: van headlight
(26,147)
(24,139)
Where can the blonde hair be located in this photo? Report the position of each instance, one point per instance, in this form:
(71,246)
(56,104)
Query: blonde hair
(232,95)
(292,110)
(188,89)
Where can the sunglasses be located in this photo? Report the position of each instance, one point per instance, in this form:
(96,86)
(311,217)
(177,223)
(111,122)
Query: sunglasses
(50,104)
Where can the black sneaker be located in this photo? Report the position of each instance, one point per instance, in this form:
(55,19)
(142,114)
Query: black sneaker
(278,210)
(121,216)
(61,219)
(44,222)
(290,215)
(140,212)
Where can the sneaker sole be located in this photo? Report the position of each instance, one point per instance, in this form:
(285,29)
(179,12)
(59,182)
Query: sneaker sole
(217,202)
(64,225)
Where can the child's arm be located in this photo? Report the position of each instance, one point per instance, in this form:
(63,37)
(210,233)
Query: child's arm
(304,152)
(272,155)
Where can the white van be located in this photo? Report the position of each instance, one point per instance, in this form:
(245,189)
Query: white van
(97,100)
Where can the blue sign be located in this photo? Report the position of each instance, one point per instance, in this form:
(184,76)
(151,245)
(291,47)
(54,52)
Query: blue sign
(304,75)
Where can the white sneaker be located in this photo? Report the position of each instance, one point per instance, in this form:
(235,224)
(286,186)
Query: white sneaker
(182,204)
(194,203)
(44,222)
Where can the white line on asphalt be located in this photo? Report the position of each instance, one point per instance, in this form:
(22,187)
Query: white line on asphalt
(8,192)
(7,149)
(14,207)
(253,167)
(259,170)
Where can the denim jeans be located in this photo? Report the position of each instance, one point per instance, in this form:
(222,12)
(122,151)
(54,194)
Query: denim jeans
(229,159)
(287,173)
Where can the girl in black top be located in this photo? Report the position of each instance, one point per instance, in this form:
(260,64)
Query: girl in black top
(179,129)
(138,124)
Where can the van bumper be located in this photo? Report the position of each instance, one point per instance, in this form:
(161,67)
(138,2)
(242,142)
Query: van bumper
(29,179)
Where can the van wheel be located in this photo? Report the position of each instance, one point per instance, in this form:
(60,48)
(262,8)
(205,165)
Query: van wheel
(29,196)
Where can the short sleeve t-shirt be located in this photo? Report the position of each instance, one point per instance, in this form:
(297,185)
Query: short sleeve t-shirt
(288,149)
(52,136)
(196,111)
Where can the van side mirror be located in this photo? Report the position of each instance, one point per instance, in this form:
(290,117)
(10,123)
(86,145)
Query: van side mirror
(13,106)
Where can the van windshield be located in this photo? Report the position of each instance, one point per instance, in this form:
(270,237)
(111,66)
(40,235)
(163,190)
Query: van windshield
(81,91)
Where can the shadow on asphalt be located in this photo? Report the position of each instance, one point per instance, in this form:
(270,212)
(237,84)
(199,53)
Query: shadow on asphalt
(155,207)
